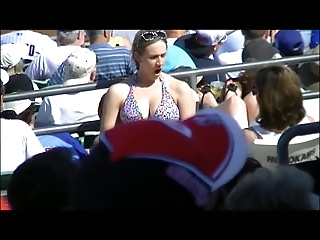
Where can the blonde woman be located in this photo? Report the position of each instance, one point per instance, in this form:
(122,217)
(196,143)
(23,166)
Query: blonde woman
(149,93)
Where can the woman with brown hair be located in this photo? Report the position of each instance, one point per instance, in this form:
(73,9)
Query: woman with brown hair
(149,93)
(277,90)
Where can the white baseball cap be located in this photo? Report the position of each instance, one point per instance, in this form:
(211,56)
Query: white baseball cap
(11,54)
(4,76)
(79,66)
(212,37)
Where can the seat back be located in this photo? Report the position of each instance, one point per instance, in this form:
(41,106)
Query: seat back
(300,149)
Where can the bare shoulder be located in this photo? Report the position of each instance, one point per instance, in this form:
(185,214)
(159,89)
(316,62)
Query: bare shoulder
(121,88)
(176,84)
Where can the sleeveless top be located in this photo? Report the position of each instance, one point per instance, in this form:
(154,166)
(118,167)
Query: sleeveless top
(167,108)
(266,134)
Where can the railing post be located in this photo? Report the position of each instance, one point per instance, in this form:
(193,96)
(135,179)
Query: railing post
(193,81)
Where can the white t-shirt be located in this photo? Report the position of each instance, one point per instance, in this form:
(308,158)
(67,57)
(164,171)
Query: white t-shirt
(18,143)
(69,108)
(45,64)
(37,42)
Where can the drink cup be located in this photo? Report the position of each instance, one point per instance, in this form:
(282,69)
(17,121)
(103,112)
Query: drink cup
(216,88)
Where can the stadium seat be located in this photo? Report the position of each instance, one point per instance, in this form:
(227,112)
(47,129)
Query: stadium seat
(301,149)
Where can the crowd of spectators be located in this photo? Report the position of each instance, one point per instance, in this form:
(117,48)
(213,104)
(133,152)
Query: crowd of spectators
(163,143)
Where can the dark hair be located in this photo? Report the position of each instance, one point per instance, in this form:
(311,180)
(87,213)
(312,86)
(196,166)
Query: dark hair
(127,184)
(42,181)
(139,44)
(246,80)
(279,98)
(253,34)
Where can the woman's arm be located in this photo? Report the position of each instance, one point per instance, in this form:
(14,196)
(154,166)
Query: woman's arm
(111,107)
(185,101)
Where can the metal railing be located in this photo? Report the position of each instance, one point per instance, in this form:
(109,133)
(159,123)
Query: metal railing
(289,134)
(71,128)
(94,125)
(192,74)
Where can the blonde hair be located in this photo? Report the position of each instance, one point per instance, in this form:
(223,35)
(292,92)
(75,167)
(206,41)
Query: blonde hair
(140,46)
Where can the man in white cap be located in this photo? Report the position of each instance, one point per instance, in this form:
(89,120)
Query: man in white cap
(12,57)
(45,64)
(18,141)
(74,107)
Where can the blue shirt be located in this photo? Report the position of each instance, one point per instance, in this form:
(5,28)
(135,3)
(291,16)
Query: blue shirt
(112,62)
(177,57)
(63,140)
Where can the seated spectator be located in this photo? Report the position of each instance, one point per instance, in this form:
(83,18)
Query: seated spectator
(12,62)
(286,188)
(309,72)
(176,170)
(314,39)
(18,141)
(235,57)
(242,105)
(43,181)
(35,42)
(201,46)
(74,107)
(25,110)
(176,57)
(289,43)
(112,62)
(234,42)
(45,64)
(278,94)
(173,35)
(259,50)
(149,93)
(12,58)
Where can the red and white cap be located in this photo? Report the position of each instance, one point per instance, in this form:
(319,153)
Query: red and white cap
(209,145)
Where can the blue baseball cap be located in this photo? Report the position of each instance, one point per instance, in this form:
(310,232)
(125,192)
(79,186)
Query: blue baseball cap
(289,42)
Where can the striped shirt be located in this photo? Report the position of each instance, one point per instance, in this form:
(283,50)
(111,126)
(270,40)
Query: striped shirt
(112,63)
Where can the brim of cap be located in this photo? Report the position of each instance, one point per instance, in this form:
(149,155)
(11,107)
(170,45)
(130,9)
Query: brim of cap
(4,76)
(195,48)
(237,155)
(17,106)
(76,81)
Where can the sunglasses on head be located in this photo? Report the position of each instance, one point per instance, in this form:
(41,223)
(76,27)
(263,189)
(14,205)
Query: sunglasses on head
(149,36)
